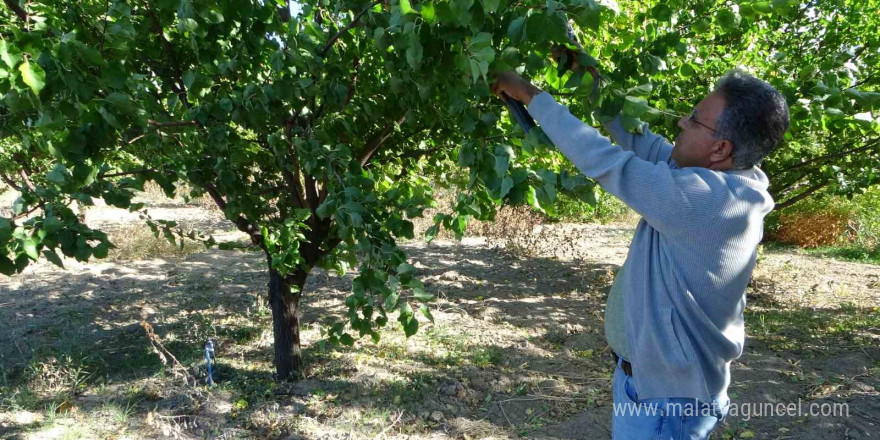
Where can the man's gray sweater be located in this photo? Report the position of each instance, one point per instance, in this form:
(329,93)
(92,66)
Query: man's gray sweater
(691,256)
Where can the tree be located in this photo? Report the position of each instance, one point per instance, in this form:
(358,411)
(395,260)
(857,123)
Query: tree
(319,133)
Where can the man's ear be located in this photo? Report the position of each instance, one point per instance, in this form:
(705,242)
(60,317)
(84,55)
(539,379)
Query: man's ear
(721,150)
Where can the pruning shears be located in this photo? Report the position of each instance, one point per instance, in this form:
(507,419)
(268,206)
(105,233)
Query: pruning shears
(518,109)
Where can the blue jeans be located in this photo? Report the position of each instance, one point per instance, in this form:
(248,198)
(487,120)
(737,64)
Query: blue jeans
(661,419)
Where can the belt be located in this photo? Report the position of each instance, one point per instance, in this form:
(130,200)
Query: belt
(625,365)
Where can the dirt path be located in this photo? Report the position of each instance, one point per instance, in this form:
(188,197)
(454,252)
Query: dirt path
(516,348)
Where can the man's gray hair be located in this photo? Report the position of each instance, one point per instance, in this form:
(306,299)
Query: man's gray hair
(755,117)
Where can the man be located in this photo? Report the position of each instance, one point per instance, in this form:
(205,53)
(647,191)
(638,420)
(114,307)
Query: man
(674,316)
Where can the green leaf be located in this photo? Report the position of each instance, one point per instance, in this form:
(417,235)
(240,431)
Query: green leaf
(506,185)
(428,13)
(503,155)
(9,54)
(302,214)
(411,327)
(490,5)
(346,339)
(589,15)
(631,123)
(414,52)
(431,233)
(33,75)
(727,19)
(653,64)
(58,174)
(479,41)
(100,251)
(661,12)
(53,257)
(762,7)
(189,78)
(425,311)
(406,8)
(420,294)
(702,26)
(187,25)
(326,208)
(391,301)
(5,228)
(642,90)
(7,267)
(405,269)
(686,70)
(30,248)
(515,30)
(51,224)
(635,106)
(19,206)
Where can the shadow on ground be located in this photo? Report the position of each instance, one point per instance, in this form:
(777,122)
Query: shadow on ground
(516,349)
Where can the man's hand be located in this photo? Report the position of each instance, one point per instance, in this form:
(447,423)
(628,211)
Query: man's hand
(514,86)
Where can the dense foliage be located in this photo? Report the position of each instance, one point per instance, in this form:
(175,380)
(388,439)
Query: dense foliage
(318,129)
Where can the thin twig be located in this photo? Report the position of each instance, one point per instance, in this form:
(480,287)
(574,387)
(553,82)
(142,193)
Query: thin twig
(172,123)
(382,434)
(164,354)
(27,180)
(533,397)
(127,173)
(135,139)
(346,28)
(501,405)
(104,31)
(10,182)
(866,415)
(17,9)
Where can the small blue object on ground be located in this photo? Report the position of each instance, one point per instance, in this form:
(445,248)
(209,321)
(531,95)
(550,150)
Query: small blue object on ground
(209,353)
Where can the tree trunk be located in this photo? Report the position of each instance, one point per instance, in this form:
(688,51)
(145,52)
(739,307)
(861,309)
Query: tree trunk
(285,320)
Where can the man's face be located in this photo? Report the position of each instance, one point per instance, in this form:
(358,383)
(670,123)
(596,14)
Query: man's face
(696,145)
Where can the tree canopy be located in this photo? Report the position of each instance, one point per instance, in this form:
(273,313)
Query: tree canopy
(320,133)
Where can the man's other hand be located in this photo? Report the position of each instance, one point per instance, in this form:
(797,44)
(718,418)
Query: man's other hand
(514,86)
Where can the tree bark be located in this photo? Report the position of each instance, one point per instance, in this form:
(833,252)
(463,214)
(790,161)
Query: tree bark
(284,298)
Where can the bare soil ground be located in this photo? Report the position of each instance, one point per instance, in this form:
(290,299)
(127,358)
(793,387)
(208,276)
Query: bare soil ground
(516,348)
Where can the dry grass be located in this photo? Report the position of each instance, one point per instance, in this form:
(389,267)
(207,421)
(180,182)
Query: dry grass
(136,242)
(153,194)
(814,229)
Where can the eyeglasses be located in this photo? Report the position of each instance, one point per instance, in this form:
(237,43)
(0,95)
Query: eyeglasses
(693,118)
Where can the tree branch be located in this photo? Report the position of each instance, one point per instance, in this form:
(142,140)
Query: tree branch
(242,223)
(416,154)
(311,193)
(25,214)
(871,144)
(180,88)
(790,185)
(17,9)
(158,124)
(354,79)
(807,193)
(284,12)
(104,30)
(293,185)
(127,173)
(27,180)
(10,182)
(346,28)
(863,81)
(377,140)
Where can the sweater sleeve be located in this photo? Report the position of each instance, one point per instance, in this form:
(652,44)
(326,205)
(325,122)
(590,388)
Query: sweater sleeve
(671,200)
(647,146)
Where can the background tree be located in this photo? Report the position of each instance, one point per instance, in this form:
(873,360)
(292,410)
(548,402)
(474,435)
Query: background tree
(319,132)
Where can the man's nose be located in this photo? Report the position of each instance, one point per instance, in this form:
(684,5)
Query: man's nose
(682,122)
